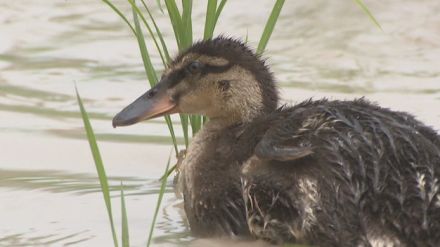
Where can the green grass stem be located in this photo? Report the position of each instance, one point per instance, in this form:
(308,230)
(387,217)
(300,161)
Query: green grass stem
(368,12)
(187,35)
(270,25)
(150,31)
(211,10)
(151,73)
(184,122)
(176,21)
(219,11)
(125,232)
(182,24)
(159,33)
(148,65)
(159,201)
(160,5)
(117,11)
(103,180)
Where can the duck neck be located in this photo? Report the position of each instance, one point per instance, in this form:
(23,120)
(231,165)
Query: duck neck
(221,123)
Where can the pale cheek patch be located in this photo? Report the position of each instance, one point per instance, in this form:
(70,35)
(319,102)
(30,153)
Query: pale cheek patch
(197,99)
(246,93)
(243,97)
(240,99)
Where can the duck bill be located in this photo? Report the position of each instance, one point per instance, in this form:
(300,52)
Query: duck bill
(152,104)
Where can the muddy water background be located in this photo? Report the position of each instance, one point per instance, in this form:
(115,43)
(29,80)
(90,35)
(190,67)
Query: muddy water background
(49,194)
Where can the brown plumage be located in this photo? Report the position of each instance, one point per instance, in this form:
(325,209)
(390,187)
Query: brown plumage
(327,173)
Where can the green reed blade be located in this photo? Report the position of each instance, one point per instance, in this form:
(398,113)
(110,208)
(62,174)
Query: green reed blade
(268,29)
(196,123)
(199,123)
(171,130)
(150,31)
(191,120)
(151,73)
(219,11)
(212,14)
(159,201)
(182,41)
(187,24)
(211,9)
(160,5)
(182,27)
(170,171)
(184,123)
(159,34)
(176,21)
(367,11)
(205,119)
(125,233)
(246,38)
(120,14)
(103,181)
(148,65)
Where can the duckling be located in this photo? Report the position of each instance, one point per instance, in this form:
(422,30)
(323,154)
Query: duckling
(326,173)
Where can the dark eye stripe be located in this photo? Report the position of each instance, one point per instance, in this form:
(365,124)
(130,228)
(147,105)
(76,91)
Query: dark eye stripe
(175,77)
(178,75)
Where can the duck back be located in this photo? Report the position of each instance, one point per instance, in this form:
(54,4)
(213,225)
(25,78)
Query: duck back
(370,177)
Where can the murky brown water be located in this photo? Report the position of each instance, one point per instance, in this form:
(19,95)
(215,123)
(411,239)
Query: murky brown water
(49,194)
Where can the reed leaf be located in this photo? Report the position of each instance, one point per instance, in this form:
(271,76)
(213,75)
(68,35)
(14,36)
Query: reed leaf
(182,27)
(176,21)
(169,172)
(184,122)
(196,123)
(211,10)
(125,233)
(151,73)
(204,119)
(159,34)
(367,11)
(183,39)
(219,11)
(270,25)
(150,31)
(187,24)
(117,11)
(160,5)
(103,180)
(148,65)
(212,14)
(159,201)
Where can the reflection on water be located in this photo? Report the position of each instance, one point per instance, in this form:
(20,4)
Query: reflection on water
(25,239)
(62,182)
(49,193)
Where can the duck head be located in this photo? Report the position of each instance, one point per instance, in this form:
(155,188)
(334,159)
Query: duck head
(221,78)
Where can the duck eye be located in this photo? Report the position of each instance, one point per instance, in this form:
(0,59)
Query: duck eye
(194,67)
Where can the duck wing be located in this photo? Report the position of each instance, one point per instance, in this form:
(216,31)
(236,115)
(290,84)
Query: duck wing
(271,148)
(285,140)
